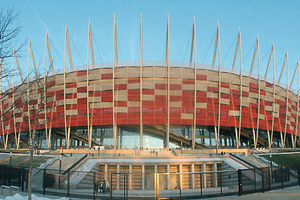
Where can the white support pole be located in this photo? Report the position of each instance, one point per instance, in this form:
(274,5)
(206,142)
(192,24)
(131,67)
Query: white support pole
(269,62)
(220,78)
(253,60)
(49,53)
(294,75)
(258,100)
(141,84)
(297,115)
(287,101)
(87,85)
(283,66)
(65,106)
(273,104)
(13,105)
(18,66)
(168,100)
(2,111)
(236,51)
(33,62)
(195,84)
(241,91)
(28,95)
(45,95)
(69,48)
(113,82)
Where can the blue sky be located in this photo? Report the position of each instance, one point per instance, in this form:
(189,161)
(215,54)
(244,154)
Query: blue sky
(274,21)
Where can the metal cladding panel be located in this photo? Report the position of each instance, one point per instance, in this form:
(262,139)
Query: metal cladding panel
(99,95)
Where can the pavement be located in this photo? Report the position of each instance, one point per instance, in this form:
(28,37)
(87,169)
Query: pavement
(291,193)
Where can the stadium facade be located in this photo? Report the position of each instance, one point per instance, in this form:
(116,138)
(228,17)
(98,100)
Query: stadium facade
(150,105)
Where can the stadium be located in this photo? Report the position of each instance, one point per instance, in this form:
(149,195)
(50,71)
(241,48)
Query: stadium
(152,105)
(153,116)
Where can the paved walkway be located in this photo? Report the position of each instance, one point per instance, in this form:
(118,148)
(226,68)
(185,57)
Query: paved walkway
(292,193)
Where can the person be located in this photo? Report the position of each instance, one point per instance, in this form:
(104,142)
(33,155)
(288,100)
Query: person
(101,187)
(107,187)
(104,187)
(97,186)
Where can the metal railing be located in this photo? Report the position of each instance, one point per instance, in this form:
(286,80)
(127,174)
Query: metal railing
(124,185)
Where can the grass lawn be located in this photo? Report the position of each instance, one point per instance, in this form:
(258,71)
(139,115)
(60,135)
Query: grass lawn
(291,161)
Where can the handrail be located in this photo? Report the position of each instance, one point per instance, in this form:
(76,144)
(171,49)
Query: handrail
(240,159)
(75,164)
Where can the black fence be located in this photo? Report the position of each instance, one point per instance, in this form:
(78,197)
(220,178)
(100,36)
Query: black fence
(12,176)
(92,185)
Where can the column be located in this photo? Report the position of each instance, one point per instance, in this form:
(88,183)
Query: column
(106,173)
(143,177)
(118,177)
(215,175)
(204,175)
(130,177)
(192,169)
(168,177)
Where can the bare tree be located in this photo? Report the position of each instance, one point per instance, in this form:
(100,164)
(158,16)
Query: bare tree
(36,91)
(9,30)
(9,47)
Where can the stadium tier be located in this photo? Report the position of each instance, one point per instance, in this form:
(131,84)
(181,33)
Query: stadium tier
(153,106)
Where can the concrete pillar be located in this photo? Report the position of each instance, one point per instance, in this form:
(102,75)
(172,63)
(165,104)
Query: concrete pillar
(121,138)
(155,172)
(168,177)
(204,175)
(130,177)
(215,175)
(118,177)
(106,172)
(180,176)
(192,180)
(143,177)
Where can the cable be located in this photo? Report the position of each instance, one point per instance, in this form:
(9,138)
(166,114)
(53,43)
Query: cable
(209,46)
(97,47)
(37,51)
(56,52)
(229,50)
(248,51)
(76,50)
(118,42)
(187,45)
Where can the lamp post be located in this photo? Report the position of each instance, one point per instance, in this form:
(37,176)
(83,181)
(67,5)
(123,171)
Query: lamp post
(59,171)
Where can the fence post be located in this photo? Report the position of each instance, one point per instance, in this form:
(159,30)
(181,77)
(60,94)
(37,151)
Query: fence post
(299,176)
(263,180)
(201,182)
(240,182)
(68,185)
(281,176)
(44,182)
(9,176)
(126,186)
(94,186)
(111,186)
(254,179)
(269,170)
(220,181)
(22,181)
